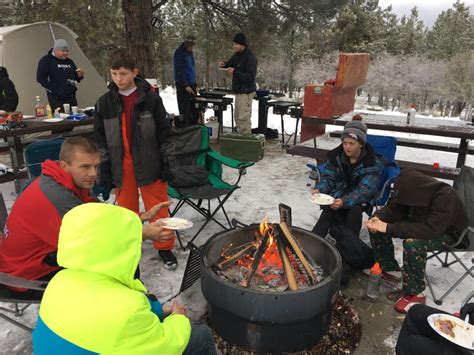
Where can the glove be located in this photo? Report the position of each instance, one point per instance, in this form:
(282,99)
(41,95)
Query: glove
(465,310)
(98,190)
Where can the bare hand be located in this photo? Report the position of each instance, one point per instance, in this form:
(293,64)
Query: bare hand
(337,204)
(80,72)
(167,309)
(189,90)
(152,212)
(230,70)
(314,191)
(156,232)
(376,225)
(177,308)
(221,64)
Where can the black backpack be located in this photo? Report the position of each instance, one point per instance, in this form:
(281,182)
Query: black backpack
(352,249)
(179,154)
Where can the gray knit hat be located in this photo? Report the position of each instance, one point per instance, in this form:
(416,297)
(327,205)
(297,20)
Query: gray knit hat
(356,130)
(60,44)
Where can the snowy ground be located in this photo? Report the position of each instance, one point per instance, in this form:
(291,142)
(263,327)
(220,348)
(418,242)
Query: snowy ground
(278,178)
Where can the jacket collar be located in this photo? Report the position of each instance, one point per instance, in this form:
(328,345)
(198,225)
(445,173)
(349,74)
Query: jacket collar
(142,88)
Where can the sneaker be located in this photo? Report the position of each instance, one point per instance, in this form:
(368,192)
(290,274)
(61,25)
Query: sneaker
(169,260)
(405,302)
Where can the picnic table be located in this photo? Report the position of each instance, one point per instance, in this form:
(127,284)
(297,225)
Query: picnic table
(424,126)
(17,140)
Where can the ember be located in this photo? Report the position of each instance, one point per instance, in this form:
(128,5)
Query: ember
(273,261)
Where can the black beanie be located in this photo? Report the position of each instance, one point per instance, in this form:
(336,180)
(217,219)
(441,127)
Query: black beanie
(240,38)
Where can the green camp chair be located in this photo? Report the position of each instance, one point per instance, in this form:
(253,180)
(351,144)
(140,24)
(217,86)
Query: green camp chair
(215,188)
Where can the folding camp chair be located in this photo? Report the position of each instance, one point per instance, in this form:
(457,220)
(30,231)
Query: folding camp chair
(386,147)
(8,280)
(465,243)
(37,152)
(215,189)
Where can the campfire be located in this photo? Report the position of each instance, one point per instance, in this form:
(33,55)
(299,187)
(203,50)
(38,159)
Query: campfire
(273,261)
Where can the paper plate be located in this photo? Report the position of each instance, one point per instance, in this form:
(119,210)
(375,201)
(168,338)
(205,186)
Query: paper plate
(53,120)
(176,223)
(463,332)
(321,199)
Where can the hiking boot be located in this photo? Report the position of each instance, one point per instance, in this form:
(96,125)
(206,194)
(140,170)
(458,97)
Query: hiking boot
(405,302)
(169,260)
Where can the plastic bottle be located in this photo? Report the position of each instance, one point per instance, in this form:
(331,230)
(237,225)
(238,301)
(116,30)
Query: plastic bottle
(374,281)
(39,108)
(48,110)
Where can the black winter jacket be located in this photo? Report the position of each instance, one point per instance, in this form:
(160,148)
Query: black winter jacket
(422,207)
(8,94)
(58,76)
(150,128)
(245,65)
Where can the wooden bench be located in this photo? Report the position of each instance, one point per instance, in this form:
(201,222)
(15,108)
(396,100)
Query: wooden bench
(321,156)
(421,144)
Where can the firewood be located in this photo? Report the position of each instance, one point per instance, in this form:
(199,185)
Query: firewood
(290,277)
(299,253)
(226,263)
(256,261)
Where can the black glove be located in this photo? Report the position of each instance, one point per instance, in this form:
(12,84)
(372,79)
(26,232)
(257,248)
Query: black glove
(467,309)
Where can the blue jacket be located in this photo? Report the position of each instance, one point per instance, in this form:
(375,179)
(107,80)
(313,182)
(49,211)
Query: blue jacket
(57,76)
(184,67)
(353,184)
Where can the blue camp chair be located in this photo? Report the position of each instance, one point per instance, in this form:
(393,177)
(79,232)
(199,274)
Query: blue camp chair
(37,152)
(385,146)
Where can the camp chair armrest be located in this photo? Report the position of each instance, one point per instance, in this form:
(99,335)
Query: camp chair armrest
(14,281)
(461,237)
(232,163)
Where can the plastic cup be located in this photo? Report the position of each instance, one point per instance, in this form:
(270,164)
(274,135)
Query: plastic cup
(67,108)
(75,109)
(435,165)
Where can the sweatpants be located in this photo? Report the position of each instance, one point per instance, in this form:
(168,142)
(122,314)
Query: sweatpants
(243,112)
(414,258)
(417,337)
(349,217)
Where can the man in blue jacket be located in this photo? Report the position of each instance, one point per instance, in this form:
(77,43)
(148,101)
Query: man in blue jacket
(185,79)
(58,75)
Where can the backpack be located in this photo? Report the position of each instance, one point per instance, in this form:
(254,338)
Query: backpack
(180,153)
(352,249)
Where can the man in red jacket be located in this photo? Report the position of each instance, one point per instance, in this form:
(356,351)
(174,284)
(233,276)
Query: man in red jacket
(30,238)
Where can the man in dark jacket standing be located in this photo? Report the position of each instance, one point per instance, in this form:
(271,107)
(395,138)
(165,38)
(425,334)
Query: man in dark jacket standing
(58,75)
(351,176)
(130,125)
(185,79)
(426,214)
(8,94)
(243,68)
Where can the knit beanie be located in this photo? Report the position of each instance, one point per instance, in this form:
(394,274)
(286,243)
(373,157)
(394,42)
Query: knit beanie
(190,39)
(60,44)
(356,130)
(240,38)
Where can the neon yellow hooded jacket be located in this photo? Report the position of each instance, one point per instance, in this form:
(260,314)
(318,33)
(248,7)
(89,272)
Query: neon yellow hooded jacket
(95,302)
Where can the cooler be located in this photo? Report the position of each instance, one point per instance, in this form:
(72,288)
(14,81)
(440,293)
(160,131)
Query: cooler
(335,97)
(243,146)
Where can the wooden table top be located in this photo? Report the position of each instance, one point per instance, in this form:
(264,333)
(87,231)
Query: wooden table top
(37,125)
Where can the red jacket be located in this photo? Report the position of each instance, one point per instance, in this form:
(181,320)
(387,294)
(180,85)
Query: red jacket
(32,228)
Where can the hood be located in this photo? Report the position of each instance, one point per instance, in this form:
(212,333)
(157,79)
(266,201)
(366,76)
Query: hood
(3,72)
(53,170)
(102,239)
(413,188)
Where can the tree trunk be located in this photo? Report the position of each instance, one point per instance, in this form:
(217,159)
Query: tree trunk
(458,107)
(425,98)
(380,100)
(369,99)
(139,33)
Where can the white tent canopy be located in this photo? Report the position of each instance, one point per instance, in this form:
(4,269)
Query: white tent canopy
(22,46)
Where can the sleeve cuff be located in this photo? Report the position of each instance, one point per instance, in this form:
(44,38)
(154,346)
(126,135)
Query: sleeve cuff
(390,230)
(157,308)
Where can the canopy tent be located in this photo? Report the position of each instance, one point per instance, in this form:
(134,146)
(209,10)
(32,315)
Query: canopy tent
(22,46)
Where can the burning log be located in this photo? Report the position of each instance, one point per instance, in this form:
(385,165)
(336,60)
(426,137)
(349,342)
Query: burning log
(298,251)
(258,256)
(229,261)
(290,277)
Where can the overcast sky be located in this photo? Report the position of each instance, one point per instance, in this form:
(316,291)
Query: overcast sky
(428,10)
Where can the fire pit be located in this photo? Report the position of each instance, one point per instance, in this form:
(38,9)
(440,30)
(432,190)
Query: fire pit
(271,320)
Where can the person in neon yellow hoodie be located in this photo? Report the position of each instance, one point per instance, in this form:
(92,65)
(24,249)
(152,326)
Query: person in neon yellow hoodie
(96,305)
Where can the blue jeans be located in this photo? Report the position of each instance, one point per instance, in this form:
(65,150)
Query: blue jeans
(201,341)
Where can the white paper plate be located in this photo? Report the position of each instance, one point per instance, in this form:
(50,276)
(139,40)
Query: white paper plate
(321,199)
(53,120)
(463,332)
(176,223)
